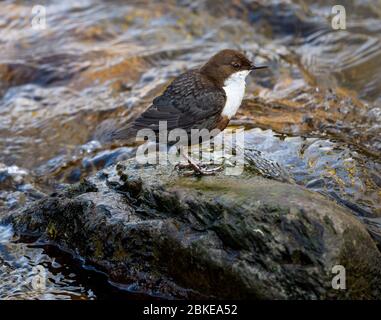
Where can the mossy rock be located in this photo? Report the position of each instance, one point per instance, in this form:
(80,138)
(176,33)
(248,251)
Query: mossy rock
(219,236)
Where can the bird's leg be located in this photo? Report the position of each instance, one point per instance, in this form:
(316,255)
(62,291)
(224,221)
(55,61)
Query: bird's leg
(195,165)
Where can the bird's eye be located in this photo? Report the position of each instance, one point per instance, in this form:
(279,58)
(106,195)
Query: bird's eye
(236,65)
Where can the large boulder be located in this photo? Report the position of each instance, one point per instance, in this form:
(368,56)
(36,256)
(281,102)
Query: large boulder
(154,230)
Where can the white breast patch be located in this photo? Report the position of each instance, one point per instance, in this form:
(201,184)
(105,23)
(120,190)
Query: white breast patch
(234,87)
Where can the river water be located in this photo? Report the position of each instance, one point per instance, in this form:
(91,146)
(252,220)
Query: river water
(316,110)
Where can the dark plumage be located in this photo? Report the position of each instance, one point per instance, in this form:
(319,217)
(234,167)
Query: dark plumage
(194,100)
(191,101)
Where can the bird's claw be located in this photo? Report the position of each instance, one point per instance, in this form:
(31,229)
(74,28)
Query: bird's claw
(197,169)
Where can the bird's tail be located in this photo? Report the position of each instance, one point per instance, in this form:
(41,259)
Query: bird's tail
(112,132)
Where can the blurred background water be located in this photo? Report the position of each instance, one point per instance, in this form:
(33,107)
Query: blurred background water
(316,110)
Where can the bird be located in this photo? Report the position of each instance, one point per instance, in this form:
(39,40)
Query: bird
(202,98)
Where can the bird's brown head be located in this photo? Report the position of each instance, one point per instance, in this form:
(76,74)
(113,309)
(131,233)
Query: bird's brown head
(225,63)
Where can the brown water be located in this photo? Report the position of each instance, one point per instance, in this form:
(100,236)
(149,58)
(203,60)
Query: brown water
(316,110)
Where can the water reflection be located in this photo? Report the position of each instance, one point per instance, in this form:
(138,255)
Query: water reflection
(27,272)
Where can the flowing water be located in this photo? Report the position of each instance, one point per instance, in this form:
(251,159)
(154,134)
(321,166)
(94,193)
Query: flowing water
(316,110)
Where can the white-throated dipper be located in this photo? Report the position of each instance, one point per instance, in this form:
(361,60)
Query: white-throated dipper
(204,98)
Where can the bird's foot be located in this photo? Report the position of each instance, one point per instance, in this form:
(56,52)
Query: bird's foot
(197,168)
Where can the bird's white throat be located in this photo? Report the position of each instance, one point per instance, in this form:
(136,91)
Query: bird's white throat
(234,87)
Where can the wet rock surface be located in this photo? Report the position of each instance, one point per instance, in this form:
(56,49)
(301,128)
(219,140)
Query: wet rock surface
(17,188)
(153,230)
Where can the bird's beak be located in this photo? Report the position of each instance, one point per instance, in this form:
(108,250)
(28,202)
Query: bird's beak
(253,67)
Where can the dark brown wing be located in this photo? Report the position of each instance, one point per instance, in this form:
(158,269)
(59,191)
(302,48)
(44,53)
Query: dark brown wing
(189,102)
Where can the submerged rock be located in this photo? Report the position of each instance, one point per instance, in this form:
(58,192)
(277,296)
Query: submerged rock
(153,230)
